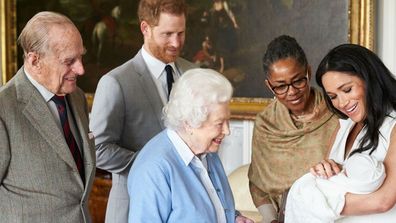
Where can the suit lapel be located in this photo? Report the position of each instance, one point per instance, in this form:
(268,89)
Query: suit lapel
(37,112)
(148,86)
(148,82)
(81,121)
(183,65)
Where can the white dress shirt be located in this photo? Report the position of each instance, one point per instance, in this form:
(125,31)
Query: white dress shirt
(158,73)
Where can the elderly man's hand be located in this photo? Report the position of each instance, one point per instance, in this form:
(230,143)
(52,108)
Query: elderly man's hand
(243,219)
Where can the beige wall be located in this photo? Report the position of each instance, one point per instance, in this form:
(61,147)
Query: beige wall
(386,33)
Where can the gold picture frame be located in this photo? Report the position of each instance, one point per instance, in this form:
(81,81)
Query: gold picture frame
(8,39)
(361,31)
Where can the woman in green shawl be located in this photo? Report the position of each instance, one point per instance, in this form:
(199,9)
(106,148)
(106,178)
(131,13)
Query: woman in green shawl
(292,133)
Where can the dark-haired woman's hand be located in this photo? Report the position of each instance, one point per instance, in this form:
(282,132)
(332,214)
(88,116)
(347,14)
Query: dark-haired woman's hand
(325,169)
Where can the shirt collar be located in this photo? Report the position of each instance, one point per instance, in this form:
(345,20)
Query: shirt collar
(181,147)
(47,95)
(155,66)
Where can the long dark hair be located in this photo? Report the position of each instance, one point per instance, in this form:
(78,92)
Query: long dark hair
(380,87)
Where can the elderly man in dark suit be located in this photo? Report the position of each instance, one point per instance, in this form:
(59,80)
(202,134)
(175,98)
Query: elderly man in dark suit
(128,102)
(47,160)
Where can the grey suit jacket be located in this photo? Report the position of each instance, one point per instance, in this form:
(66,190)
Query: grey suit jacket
(126,113)
(39,180)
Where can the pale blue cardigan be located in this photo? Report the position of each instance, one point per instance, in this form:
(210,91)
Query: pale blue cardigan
(163,189)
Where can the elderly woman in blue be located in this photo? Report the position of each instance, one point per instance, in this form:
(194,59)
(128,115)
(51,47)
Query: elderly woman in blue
(178,176)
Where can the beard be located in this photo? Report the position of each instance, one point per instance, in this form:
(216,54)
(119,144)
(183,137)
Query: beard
(162,52)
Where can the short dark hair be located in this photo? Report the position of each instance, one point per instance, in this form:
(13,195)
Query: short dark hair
(283,47)
(150,10)
(380,85)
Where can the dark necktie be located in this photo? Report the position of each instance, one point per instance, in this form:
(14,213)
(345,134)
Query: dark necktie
(169,78)
(71,142)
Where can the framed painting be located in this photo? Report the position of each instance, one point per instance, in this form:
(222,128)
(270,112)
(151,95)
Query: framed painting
(227,35)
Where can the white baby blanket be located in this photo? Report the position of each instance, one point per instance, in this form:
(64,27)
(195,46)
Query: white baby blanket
(315,200)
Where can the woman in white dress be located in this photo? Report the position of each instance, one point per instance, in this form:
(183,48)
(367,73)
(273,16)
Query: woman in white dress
(361,90)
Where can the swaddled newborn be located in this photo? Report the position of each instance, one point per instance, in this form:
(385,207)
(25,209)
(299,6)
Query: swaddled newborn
(313,199)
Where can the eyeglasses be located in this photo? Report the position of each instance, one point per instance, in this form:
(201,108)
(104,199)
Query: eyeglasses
(283,88)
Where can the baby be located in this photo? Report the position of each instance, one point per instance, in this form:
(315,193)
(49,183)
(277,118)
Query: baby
(313,199)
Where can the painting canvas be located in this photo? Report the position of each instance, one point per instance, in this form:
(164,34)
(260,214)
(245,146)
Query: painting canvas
(227,35)
(238,31)
(109,29)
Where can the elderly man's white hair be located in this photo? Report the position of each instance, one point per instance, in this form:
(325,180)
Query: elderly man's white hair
(35,35)
(192,96)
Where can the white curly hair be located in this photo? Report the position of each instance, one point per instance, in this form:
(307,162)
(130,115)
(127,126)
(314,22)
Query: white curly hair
(192,96)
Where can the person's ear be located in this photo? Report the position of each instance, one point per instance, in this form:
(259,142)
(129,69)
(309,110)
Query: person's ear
(144,28)
(33,60)
(269,87)
(267,84)
(187,126)
(309,71)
